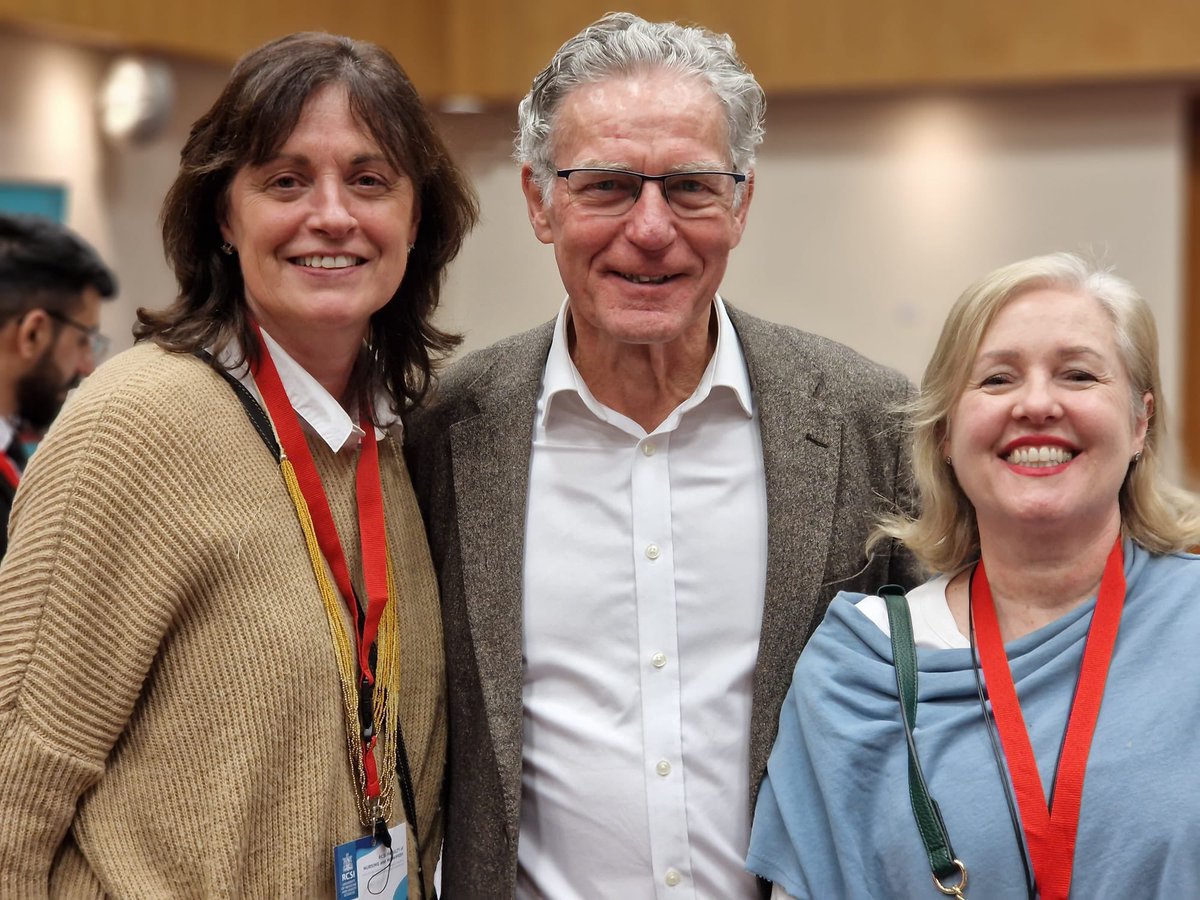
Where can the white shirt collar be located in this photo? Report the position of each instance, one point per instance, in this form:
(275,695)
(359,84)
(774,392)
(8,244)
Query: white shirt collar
(726,368)
(316,407)
(7,431)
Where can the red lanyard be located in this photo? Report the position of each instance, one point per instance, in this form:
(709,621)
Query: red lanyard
(372,533)
(8,471)
(1050,831)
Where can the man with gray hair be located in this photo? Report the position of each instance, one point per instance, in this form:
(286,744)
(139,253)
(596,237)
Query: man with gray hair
(639,510)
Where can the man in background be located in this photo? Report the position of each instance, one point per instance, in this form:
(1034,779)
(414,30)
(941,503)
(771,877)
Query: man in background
(640,510)
(51,285)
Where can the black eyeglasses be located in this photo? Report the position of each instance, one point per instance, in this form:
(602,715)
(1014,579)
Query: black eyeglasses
(98,342)
(613,192)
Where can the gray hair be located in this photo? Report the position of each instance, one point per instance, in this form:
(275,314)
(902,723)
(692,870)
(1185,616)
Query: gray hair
(624,44)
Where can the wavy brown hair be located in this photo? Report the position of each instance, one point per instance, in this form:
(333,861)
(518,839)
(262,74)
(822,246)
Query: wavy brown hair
(251,119)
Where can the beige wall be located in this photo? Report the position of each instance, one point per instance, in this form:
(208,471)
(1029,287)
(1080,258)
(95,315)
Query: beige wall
(48,132)
(871,212)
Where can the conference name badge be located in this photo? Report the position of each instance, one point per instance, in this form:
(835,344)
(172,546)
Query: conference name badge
(366,870)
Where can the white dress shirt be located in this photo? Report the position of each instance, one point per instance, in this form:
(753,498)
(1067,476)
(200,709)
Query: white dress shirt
(8,430)
(320,413)
(644,576)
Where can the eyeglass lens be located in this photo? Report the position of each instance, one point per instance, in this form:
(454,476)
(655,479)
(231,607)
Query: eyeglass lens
(98,343)
(615,192)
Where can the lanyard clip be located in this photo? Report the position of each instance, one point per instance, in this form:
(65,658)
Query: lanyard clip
(381,833)
(366,709)
(380,828)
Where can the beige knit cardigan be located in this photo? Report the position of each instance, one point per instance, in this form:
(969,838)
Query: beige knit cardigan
(171,719)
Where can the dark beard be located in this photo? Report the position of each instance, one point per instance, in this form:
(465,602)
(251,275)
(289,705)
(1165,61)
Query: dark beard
(41,394)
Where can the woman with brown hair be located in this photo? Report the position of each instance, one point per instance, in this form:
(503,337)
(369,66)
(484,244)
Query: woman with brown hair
(223,661)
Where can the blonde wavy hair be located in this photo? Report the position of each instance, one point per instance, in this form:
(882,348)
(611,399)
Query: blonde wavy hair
(1157,515)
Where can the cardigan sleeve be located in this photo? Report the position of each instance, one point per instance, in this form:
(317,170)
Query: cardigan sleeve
(87,591)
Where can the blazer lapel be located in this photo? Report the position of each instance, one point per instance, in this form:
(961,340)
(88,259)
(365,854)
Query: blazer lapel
(490,454)
(802,445)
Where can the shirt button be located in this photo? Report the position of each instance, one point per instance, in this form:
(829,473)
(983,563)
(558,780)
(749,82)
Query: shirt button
(658,660)
(663,768)
(653,551)
(649,449)
(673,878)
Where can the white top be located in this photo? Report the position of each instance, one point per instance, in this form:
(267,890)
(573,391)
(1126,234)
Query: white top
(933,623)
(7,431)
(317,408)
(644,576)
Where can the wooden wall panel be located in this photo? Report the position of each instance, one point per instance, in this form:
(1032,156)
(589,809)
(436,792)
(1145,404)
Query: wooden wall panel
(939,42)
(492,50)
(832,45)
(496,52)
(223,30)
(1189,414)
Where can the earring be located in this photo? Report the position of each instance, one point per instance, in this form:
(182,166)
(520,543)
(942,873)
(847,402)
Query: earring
(949,462)
(227,248)
(410,247)
(1137,457)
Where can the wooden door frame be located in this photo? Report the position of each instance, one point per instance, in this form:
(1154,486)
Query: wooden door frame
(1189,393)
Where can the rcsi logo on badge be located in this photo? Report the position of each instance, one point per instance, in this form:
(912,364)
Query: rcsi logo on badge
(345,872)
(380,872)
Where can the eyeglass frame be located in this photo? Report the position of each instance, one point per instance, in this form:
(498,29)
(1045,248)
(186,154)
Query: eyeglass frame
(98,343)
(565,174)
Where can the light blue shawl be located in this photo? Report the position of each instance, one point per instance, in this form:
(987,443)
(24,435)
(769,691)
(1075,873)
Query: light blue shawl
(833,817)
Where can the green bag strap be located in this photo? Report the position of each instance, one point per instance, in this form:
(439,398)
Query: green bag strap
(949,874)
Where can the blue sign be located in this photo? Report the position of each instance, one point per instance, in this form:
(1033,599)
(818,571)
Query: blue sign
(47,200)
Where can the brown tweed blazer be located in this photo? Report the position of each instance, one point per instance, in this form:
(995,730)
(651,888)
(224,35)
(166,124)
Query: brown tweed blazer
(833,456)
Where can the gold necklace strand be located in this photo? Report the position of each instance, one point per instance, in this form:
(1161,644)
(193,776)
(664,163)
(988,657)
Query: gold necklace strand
(387,688)
(388,637)
(387,675)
